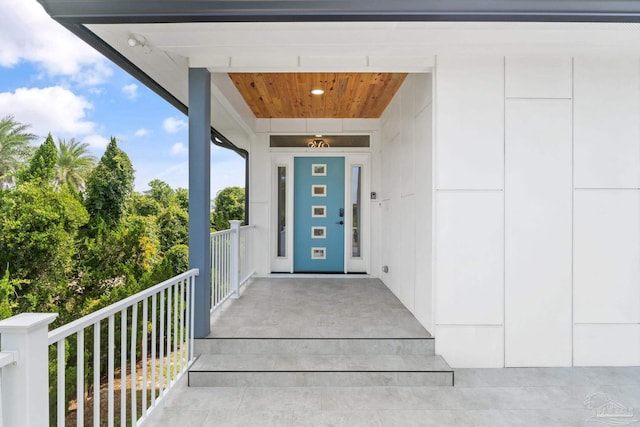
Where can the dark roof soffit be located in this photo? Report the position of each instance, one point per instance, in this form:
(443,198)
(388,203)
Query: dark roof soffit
(157,11)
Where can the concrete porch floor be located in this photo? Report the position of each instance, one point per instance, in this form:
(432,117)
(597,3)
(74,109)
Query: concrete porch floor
(344,307)
(316,308)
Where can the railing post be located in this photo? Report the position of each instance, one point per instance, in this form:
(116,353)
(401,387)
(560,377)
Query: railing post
(25,385)
(235,258)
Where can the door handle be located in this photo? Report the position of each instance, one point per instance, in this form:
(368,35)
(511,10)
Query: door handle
(340,222)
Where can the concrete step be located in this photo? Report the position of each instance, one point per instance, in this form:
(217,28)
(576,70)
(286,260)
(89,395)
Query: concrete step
(315,346)
(296,370)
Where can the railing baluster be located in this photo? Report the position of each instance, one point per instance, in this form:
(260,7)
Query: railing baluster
(144,343)
(161,339)
(134,361)
(154,332)
(61,383)
(188,319)
(80,379)
(192,301)
(111,371)
(183,285)
(175,331)
(168,373)
(123,367)
(96,374)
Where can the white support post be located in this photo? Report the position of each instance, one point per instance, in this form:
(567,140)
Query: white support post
(235,258)
(25,397)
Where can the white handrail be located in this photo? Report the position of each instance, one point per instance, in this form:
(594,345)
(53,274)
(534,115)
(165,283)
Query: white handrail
(231,262)
(174,339)
(88,320)
(7,358)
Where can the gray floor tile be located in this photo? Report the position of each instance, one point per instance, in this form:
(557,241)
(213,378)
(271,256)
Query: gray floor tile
(336,418)
(281,399)
(222,418)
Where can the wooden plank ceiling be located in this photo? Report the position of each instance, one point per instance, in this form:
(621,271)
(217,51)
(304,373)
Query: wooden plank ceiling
(346,95)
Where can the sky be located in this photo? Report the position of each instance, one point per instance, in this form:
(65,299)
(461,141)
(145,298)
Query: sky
(54,82)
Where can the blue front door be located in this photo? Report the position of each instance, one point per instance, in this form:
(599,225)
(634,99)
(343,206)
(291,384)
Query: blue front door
(318,235)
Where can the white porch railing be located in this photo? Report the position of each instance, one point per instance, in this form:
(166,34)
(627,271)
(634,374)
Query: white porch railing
(82,370)
(231,262)
(165,332)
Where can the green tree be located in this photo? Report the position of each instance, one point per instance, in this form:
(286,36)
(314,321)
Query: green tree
(38,228)
(108,187)
(15,149)
(229,204)
(161,192)
(174,262)
(42,166)
(173,223)
(182,198)
(143,205)
(7,295)
(74,164)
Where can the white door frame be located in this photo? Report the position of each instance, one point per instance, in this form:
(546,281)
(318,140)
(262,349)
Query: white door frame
(284,158)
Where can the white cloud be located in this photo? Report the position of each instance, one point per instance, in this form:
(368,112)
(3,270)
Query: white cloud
(96,141)
(179,148)
(141,132)
(27,33)
(53,109)
(173,125)
(130,91)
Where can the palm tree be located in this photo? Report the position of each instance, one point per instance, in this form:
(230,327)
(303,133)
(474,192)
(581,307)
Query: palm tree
(15,149)
(74,164)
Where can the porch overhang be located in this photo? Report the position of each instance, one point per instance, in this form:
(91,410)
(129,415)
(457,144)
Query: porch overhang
(109,11)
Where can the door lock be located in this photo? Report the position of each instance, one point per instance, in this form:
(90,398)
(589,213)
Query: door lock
(341,214)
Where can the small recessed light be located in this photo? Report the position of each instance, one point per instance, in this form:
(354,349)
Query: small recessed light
(317,92)
(318,136)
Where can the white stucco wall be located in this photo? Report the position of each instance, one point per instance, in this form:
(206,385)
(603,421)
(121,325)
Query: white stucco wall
(537,229)
(405,196)
(512,234)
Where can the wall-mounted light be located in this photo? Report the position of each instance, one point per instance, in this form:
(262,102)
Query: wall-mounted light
(318,143)
(136,40)
(317,91)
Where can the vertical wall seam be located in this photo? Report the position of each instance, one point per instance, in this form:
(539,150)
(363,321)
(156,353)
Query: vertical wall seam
(434,165)
(504,212)
(573,192)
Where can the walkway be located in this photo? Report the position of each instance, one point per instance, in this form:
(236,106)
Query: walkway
(302,308)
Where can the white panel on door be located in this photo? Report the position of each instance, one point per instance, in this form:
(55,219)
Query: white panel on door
(607,135)
(470,122)
(607,256)
(538,77)
(471,346)
(469,257)
(538,211)
(606,345)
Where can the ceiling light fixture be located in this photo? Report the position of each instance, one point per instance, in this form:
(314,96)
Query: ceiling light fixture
(317,91)
(135,40)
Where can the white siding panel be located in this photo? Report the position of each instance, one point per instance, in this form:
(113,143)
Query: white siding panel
(470,123)
(607,131)
(538,77)
(324,125)
(606,345)
(607,256)
(288,125)
(424,216)
(538,216)
(469,257)
(471,346)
